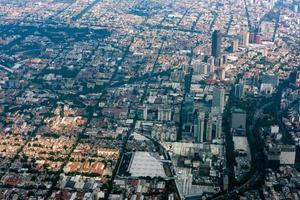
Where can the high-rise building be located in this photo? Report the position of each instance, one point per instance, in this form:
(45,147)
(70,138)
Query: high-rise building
(234,46)
(218,126)
(219,61)
(216,43)
(221,73)
(164,114)
(145,113)
(211,68)
(252,37)
(272,79)
(211,60)
(200,68)
(218,98)
(209,127)
(239,90)
(258,38)
(188,114)
(295,78)
(246,39)
(204,69)
(225,182)
(199,127)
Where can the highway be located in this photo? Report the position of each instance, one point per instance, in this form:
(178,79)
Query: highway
(258,157)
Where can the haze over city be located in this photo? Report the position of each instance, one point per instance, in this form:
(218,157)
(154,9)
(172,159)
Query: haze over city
(149,99)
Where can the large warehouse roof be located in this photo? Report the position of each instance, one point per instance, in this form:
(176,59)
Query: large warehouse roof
(144,164)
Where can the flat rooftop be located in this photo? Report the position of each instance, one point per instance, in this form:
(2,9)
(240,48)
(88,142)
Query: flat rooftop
(144,164)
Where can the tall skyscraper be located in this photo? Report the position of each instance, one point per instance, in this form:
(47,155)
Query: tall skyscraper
(216,43)
(239,90)
(252,37)
(209,127)
(246,39)
(219,126)
(199,127)
(234,45)
(218,98)
(188,114)
(164,114)
(258,38)
(145,113)
(221,73)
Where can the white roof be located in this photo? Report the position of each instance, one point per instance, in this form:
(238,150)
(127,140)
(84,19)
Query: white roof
(144,164)
(241,143)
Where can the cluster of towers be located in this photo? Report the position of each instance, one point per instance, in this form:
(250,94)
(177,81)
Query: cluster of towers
(204,124)
(218,59)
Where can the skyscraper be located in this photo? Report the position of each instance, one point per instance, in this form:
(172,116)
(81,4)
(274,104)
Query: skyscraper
(252,37)
(188,114)
(216,43)
(218,126)
(209,127)
(270,78)
(239,90)
(246,39)
(234,45)
(218,98)
(164,114)
(199,127)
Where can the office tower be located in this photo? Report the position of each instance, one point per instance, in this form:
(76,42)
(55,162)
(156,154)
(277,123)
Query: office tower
(258,38)
(187,109)
(187,115)
(221,73)
(216,43)
(252,37)
(270,79)
(224,59)
(186,68)
(164,114)
(145,113)
(164,99)
(209,124)
(246,39)
(199,127)
(204,69)
(218,61)
(187,183)
(200,68)
(218,98)
(176,115)
(211,68)
(211,60)
(218,126)
(234,46)
(196,67)
(225,182)
(239,90)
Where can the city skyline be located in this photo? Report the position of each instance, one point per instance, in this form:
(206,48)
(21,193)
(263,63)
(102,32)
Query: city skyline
(149,99)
